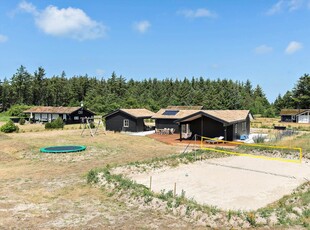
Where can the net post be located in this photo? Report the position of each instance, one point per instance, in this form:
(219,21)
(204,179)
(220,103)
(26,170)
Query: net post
(174,189)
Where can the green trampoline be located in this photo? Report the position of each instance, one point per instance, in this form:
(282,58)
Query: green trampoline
(63,149)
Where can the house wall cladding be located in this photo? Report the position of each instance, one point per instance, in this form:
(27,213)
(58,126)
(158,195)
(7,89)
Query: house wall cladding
(167,123)
(206,127)
(73,118)
(115,123)
(287,118)
(78,116)
(140,125)
(211,128)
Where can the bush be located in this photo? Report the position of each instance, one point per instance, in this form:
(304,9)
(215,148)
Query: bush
(270,113)
(17,110)
(55,124)
(259,139)
(92,125)
(22,121)
(48,125)
(9,127)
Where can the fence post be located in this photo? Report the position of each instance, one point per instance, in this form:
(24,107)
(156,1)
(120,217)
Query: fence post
(175,188)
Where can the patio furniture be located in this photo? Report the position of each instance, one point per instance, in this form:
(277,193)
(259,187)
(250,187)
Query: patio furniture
(186,135)
(215,140)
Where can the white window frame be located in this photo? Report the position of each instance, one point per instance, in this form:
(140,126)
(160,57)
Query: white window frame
(243,126)
(76,118)
(126,123)
(185,128)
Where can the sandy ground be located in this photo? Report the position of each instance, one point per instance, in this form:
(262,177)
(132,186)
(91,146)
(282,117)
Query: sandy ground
(232,183)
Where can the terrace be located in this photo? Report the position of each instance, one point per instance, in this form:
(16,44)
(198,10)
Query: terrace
(174,139)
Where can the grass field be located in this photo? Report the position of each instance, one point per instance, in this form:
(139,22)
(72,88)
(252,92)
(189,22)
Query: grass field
(46,191)
(43,191)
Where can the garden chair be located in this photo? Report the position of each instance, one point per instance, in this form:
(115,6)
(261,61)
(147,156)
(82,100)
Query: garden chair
(215,140)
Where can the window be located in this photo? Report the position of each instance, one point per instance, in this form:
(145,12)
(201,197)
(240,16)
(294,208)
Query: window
(236,128)
(185,128)
(170,112)
(126,123)
(243,126)
(80,112)
(293,117)
(76,118)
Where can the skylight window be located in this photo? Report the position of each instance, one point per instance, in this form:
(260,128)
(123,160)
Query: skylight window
(170,112)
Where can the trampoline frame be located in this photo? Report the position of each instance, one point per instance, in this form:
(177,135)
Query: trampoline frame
(64,150)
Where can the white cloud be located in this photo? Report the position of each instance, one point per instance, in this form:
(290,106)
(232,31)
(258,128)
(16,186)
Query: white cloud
(28,7)
(285,5)
(65,22)
(263,49)
(215,66)
(3,38)
(276,8)
(293,47)
(198,13)
(100,72)
(142,26)
(295,5)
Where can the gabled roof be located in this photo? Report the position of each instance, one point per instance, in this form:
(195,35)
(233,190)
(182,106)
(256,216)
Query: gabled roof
(137,113)
(224,116)
(51,109)
(292,111)
(185,107)
(303,111)
(180,114)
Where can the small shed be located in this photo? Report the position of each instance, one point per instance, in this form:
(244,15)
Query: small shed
(127,120)
(231,124)
(70,115)
(295,115)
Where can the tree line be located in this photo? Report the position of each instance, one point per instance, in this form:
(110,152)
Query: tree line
(105,95)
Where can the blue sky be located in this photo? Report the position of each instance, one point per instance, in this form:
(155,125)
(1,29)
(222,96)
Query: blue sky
(264,41)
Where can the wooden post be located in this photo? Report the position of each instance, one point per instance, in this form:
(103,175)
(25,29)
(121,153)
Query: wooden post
(180,129)
(175,188)
(195,142)
(150,183)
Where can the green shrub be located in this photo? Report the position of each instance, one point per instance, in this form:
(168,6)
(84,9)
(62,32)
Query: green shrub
(92,125)
(9,127)
(270,113)
(48,125)
(22,121)
(17,110)
(55,124)
(259,139)
(92,176)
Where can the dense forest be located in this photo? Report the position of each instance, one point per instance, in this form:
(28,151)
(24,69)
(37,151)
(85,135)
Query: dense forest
(105,95)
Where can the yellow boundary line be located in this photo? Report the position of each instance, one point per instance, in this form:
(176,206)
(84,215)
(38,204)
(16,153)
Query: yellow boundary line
(251,155)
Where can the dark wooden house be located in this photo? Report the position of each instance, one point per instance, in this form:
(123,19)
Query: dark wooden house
(166,118)
(127,120)
(70,115)
(231,124)
(295,115)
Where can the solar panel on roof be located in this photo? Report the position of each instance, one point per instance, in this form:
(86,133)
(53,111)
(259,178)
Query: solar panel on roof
(170,112)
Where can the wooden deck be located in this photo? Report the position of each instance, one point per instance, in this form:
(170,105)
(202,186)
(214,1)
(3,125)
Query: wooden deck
(174,139)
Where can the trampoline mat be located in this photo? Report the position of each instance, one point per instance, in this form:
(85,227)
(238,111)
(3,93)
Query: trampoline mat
(63,149)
